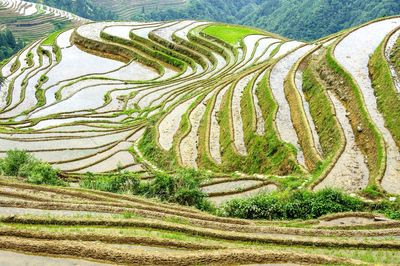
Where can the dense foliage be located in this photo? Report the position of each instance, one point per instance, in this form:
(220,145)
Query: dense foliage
(300,204)
(21,164)
(182,188)
(307,19)
(8,44)
(83,8)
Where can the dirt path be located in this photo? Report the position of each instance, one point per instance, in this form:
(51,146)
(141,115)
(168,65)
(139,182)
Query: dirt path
(23,211)
(9,258)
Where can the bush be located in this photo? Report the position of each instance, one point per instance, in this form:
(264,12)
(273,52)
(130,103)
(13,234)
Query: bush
(122,182)
(301,204)
(391,209)
(13,162)
(21,164)
(182,188)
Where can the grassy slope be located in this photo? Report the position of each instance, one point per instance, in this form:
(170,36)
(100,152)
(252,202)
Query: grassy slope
(388,98)
(327,126)
(230,33)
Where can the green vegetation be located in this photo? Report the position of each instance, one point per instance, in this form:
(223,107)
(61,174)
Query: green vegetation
(388,98)
(327,125)
(182,188)
(301,204)
(50,40)
(308,20)
(229,33)
(371,141)
(304,204)
(8,44)
(21,164)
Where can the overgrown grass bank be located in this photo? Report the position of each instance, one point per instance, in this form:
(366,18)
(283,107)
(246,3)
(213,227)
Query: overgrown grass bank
(388,98)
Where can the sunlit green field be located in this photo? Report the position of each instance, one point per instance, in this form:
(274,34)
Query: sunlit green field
(230,33)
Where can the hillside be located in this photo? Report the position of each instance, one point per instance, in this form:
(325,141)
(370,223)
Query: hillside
(28,21)
(249,127)
(126,9)
(305,20)
(8,44)
(84,8)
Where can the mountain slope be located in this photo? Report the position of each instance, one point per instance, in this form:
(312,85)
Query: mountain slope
(126,9)
(28,21)
(307,20)
(239,122)
(83,8)
(225,98)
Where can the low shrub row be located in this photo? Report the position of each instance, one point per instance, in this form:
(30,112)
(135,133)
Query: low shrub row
(182,188)
(304,204)
(301,204)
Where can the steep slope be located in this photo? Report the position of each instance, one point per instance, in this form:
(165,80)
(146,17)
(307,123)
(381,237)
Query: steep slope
(126,9)
(306,20)
(29,21)
(259,112)
(203,95)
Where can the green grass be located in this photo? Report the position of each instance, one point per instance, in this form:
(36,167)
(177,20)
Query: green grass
(388,99)
(51,38)
(395,56)
(230,34)
(327,126)
(267,154)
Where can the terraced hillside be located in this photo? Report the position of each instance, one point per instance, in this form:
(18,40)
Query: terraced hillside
(201,95)
(260,112)
(29,21)
(126,9)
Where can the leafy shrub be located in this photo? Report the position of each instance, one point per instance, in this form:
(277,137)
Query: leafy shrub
(182,188)
(372,192)
(13,162)
(38,173)
(301,204)
(21,164)
(391,209)
(122,182)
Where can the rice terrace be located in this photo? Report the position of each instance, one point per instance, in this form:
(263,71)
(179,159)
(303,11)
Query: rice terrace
(191,142)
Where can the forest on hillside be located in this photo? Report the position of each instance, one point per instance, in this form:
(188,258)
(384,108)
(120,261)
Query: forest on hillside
(8,44)
(306,20)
